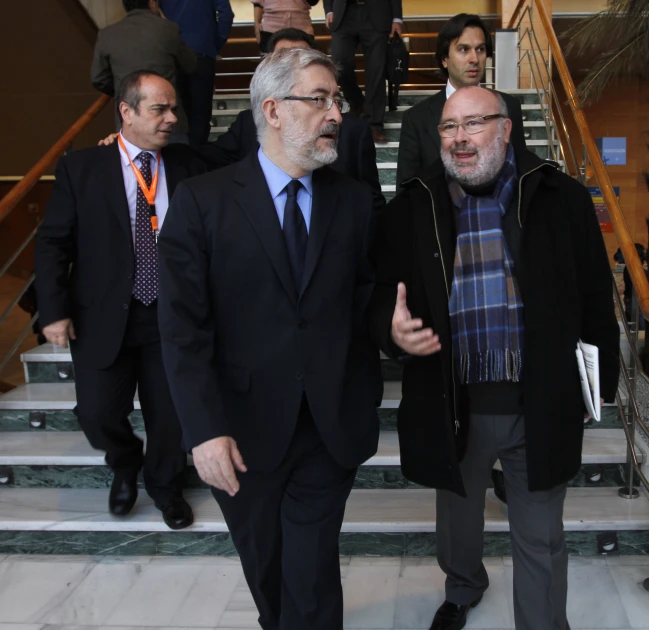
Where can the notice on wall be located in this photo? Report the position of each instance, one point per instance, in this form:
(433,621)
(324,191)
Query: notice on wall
(612,150)
(603,215)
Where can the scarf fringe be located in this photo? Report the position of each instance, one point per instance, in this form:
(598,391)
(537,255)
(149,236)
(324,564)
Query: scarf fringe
(491,366)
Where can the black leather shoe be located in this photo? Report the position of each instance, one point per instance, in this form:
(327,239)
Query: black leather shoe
(123,494)
(177,513)
(498,479)
(450,616)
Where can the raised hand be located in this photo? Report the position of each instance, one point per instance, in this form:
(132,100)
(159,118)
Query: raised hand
(408,333)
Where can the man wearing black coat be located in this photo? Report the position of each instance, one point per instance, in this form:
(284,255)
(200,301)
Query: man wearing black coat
(487,320)
(356,151)
(96,281)
(264,284)
(463,46)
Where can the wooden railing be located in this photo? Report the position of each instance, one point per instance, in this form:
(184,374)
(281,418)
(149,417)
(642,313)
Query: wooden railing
(16,194)
(326,38)
(636,271)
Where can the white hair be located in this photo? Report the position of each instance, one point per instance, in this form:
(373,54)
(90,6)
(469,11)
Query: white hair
(277,75)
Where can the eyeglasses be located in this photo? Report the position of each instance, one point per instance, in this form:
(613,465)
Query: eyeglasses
(322,102)
(470,126)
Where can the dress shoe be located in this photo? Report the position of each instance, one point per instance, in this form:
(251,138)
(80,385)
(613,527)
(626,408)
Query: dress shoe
(176,513)
(379,136)
(498,479)
(123,494)
(450,616)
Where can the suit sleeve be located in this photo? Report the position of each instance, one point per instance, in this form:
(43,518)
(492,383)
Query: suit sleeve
(228,147)
(367,169)
(101,74)
(328,6)
(518,130)
(54,250)
(599,324)
(397,9)
(226,18)
(187,325)
(410,159)
(185,56)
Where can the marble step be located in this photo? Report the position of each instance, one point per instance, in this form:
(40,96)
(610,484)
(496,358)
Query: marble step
(50,459)
(368,511)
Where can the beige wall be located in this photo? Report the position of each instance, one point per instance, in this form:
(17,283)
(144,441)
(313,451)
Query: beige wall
(104,12)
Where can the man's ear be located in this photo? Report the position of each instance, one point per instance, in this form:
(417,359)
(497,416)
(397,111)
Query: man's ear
(126,113)
(269,107)
(507,129)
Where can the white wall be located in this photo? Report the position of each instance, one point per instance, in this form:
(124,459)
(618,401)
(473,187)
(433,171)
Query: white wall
(104,12)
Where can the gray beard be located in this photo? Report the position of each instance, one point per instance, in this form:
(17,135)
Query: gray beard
(490,161)
(303,151)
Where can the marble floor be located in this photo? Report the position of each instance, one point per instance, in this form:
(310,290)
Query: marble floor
(83,593)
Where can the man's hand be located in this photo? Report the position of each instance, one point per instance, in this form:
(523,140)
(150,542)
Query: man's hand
(215,461)
(329,19)
(108,140)
(397,27)
(258,32)
(59,332)
(407,332)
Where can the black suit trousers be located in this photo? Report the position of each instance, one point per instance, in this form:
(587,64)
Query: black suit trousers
(105,400)
(354,28)
(285,526)
(197,93)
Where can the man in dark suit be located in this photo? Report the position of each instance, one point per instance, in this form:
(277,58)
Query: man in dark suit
(463,46)
(143,40)
(356,152)
(372,23)
(264,282)
(96,280)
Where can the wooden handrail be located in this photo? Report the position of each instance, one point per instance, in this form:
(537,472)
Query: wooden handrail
(16,194)
(636,271)
(326,38)
(517,10)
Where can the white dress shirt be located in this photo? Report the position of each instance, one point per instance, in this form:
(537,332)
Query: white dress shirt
(131,185)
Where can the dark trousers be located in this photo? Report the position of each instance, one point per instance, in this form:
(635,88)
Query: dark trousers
(197,93)
(354,28)
(105,400)
(264,36)
(285,526)
(539,551)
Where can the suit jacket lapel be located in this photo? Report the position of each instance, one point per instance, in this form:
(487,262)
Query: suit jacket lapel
(174,172)
(255,201)
(113,184)
(436,108)
(323,208)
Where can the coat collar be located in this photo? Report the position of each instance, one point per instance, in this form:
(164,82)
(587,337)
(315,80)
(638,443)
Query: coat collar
(254,199)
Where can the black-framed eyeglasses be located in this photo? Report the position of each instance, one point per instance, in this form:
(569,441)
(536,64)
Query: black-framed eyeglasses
(322,102)
(471,126)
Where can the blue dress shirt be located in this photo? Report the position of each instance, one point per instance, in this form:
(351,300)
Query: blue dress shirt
(198,25)
(277,181)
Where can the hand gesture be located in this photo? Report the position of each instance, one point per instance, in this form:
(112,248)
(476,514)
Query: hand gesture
(216,460)
(59,332)
(407,332)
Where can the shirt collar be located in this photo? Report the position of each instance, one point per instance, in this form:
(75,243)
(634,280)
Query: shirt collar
(277,179)
(450,90)
(132,152)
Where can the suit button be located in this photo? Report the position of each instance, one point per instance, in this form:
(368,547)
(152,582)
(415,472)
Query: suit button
(436,255)
(301,323)
(125,307)
(298,376)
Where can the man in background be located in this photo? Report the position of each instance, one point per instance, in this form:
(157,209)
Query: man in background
(143,40)
(371,23)
(463,46)
(204,26)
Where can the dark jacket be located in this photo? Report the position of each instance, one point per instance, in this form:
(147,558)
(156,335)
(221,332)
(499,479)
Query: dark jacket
(84,257)
(565,281)
(419,142)
(241,345)
(356,151)
(141,41)
(381,12)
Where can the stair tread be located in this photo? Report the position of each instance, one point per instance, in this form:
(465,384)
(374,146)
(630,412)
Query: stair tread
(61,396)
(586,509)
(70,448)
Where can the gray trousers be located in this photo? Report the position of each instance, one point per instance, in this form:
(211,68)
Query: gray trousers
(539,550)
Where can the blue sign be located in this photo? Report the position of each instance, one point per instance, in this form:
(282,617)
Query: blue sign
(612,150)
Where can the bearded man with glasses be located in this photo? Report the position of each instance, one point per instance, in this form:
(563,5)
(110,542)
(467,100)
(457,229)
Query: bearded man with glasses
(473,297)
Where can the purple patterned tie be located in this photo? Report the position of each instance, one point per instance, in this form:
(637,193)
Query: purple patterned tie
(146,256)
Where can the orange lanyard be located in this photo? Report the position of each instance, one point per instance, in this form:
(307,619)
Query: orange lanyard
(148,192)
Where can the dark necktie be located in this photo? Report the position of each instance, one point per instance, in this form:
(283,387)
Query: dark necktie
(146,256)
(295,233)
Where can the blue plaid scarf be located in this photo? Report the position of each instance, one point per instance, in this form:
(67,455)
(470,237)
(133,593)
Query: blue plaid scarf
(486,307)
